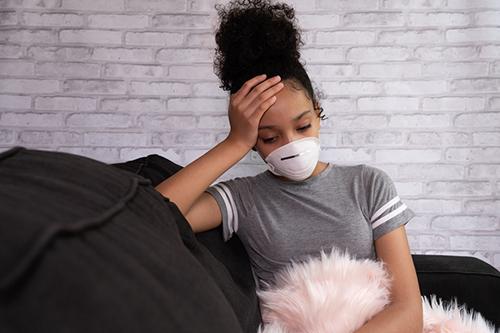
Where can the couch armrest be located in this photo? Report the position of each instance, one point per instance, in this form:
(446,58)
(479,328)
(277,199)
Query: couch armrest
(469,280)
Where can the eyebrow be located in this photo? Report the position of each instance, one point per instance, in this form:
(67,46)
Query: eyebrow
(295,119)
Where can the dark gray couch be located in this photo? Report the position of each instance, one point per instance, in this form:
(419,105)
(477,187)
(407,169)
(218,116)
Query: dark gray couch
(91,247)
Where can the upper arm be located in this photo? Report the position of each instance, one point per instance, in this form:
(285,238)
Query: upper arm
(204,214)
(393,249)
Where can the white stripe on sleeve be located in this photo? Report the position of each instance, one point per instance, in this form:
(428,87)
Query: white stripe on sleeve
(229,208)
(389,216)
(382,209)
(233,206)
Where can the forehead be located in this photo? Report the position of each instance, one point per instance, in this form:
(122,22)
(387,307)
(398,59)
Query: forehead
(290,102)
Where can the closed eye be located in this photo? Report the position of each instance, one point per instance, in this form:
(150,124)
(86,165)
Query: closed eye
(301,129)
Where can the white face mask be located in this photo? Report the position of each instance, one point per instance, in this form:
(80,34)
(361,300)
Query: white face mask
(296,160)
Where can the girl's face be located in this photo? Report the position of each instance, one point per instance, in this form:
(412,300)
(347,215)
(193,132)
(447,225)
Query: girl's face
(290,118)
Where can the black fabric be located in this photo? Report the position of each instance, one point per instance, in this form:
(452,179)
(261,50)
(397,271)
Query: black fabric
(87,247)
(467,280)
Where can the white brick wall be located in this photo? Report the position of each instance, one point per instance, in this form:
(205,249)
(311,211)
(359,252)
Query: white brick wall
(410,86)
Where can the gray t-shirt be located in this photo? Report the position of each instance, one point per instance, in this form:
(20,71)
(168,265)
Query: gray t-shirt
(277,220)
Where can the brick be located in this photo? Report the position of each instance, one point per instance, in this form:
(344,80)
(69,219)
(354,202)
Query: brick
(431,171)
(76,69)
(412,4)
(353,122)
(490,51)
(473,35)
(28,36)
(446,53)
(189,72)
(31,119)
(410,37)
(463,4)
(456,138)
(438,19)
(93,5)
(486,119)
(434,241)
(91,36)
(99,120)
(315,21)
(184,55)
(28,86)
(419,121)
(475,85)
(127,154)
(458,188)
(324,54)
(455,69)
(388,104)
(197,104)
(201,40)
(494,103)
(6,136)
(52,20)
(132,104)
(346,155)
(15,102)
(473,154)
(453,104)
(106,155)
(345,5)
(378,53)
(475,242)
(11,51)
(209,89)
(169,39)
(484,171)
(40,4)
(396,70)
(53,53)
(346,105)
(416,87)
(8,18)
(55,137)
(123,54)
(115,139)
(100,87)
(345,37)
(409,188)
(65,103)
(329,71)
(118,21)
(165,121)
(195,139)
(133,71)
(213,122)
(191,21)
(19,68)
(487,18)
(488,206)
(378,19)
(487,138)
(407,155)
(424,138)
(163,138)
(352,87)
(159,88)
(434,205)
(371,138)
(465,222)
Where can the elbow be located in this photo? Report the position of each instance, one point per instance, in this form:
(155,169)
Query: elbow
(414,316)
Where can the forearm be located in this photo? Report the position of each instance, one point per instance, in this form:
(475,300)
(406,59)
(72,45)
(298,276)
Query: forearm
(186,185)
(395,318)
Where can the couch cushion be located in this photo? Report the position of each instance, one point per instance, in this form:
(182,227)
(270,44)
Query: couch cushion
(86,247)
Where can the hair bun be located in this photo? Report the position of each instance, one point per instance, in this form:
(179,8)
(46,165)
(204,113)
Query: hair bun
(255,37)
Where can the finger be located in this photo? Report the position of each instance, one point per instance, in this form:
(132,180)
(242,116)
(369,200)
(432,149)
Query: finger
(247,86)
(262,108)
(259,89)
(264,97)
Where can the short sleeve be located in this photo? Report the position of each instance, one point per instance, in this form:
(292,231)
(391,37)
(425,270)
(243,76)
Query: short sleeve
(386,210)
(234,197)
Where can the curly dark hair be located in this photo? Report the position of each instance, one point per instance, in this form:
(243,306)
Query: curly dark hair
(257,37)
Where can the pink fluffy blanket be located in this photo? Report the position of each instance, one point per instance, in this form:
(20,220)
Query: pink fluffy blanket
(338,294)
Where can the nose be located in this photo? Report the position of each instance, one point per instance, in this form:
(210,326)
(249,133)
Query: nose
(289,137)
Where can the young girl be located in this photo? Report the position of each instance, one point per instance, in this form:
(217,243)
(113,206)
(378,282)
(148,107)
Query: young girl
(300,205)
